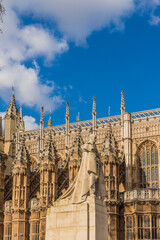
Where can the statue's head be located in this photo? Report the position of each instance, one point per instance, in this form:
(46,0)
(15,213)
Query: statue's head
(89,146)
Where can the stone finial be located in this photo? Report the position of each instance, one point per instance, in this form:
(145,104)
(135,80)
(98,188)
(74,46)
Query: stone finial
(78,117)
(12,110)
(94,106)
(109,145)
(67,111)
(122,101)
(22,155)
(49,150)
(50,120)
(109,111)
(42,115)
(21,114)
(77,143)
(20,123)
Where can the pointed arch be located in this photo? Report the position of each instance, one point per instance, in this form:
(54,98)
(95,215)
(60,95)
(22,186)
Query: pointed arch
(148,164)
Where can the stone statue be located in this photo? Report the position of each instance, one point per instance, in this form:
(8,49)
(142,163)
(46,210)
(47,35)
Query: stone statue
(89,180)
(81,212)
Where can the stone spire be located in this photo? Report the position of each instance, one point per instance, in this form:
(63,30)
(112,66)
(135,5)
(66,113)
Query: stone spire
(22,155)
(109,144)
(67,129)
(94,113)
(49,149)
(122,101)
(94,106)
(21,122)
(67,111)
(41,130)
(122,119)
(42,116)
(12,110)
(50,120)
(76,151)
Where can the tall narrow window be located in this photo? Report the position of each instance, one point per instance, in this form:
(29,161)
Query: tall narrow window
(140,227)
(8,232)
(154,227)
(129,228)
(148,164)
(35,231)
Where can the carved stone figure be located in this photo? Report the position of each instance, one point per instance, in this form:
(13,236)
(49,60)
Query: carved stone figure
(89,181)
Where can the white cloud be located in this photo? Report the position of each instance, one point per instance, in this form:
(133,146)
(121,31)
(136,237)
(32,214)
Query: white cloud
(75,20)
(30,123)
(18,44)
(78,19)
(2,114)
(155,20)
(28,89)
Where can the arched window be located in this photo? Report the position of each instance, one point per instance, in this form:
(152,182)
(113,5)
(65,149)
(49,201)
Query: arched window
(148,164)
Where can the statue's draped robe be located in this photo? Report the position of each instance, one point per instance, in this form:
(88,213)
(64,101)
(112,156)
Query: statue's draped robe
(89,178)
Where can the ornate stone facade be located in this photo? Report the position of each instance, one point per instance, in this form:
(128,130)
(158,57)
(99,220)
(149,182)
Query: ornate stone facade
(37,167)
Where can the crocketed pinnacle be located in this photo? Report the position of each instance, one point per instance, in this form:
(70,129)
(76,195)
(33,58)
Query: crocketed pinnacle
(50,121)
(109,145)
(50,150)
(22,155)
(67,110)
(12,110)
(94,106)
(42,115)
(77,143)
(122,101)
(20,122)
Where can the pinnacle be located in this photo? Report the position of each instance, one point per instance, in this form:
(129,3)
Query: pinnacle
(94,106)
(22,154)
(67,110)
(50,150)
(42,115)
(122,101)
(12,109)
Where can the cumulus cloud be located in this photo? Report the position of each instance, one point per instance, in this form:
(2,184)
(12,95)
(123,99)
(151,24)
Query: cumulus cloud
(22,43)
(28,88)
(78,19)
(75,21)
(30,123)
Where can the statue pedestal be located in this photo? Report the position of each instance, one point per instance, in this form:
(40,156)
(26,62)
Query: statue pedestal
(84,221)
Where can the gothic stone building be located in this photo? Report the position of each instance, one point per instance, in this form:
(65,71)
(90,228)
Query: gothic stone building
(36,167)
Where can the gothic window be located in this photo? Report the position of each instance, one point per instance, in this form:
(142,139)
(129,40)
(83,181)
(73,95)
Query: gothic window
(130,228)
(154,227)
(35,231)
(8,232)
(148,163)
(147,227)
(140,227)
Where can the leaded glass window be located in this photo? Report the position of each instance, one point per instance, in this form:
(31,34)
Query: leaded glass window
(147,227)
(8,232)
(148,163)
(130,224)
(35,231)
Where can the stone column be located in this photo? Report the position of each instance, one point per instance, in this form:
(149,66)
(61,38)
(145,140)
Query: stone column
(34,219)
(8,220)
(128,150)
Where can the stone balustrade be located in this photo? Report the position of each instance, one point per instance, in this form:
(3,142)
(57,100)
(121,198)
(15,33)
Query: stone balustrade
(142,195)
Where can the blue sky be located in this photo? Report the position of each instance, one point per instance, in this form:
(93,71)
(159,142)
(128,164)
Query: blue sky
(73,50)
